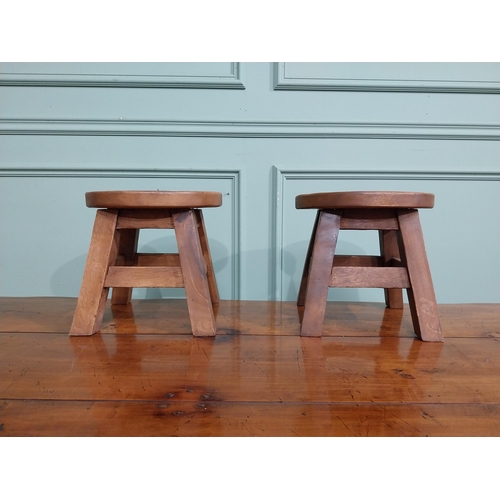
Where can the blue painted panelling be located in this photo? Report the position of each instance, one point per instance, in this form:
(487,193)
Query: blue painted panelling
(260,133)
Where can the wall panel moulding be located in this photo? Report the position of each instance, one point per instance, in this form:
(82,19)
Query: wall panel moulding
(479,78)
(161,75)
(250,129)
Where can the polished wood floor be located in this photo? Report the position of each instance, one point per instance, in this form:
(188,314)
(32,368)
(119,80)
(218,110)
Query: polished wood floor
(144,374)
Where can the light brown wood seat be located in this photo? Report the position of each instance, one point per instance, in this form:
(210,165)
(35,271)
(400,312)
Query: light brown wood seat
(365,199)
(402,262)
(153,199)
(113,260)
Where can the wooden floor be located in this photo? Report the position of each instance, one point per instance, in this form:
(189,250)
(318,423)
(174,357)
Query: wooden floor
(146,375)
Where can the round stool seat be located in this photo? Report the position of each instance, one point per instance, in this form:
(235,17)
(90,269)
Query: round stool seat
(153,199)
(365,199)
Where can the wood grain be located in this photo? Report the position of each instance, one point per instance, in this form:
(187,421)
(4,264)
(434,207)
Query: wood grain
(259,377)
(395,216)
(362,219)
(145,219)
(421,296)
(369,277)
(194,271)
(318,278)
(170,316)
(307,263)
(205,249)
(391,256)
(144,277)
(158,259)
(358,260)
(113,261)
(214,419)
(153,199)
(93,293)
(364,199)
(127,251)
(249,368)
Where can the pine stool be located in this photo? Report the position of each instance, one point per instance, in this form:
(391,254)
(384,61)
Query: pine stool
(113,261)
(402,263)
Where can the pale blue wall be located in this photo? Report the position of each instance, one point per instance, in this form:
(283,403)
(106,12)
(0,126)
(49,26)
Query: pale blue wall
(260,133)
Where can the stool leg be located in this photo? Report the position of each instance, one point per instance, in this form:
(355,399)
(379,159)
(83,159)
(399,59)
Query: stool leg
(102,253)
(389,249)
(325,241)
(421,295)
(305,273)
(127,249)
(194,272)
(212,284)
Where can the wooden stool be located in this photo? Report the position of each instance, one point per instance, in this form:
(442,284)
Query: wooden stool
(402,263)
(113,260)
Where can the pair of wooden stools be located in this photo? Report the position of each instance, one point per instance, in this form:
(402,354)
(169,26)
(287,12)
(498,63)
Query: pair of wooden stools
(113,261)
